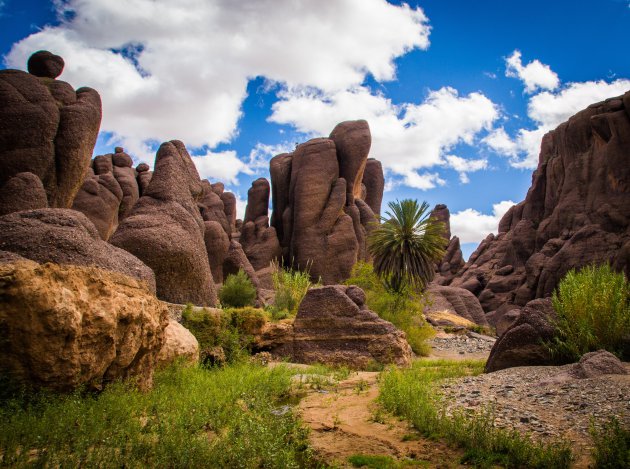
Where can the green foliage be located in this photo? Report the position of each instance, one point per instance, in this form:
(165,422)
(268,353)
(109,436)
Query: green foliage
(593,307)
(193,417)
(612,445)
(372,462)
(290,286)
(403,308)
(414,395)
(229,329)
(237,291)
(406,246)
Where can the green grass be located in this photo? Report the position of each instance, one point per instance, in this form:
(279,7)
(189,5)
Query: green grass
(611,445)
(413,394)
(382,462)
(403,309)
(193,417)
(290,286)
(593,307)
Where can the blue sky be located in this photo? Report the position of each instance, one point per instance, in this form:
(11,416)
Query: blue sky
(457,93)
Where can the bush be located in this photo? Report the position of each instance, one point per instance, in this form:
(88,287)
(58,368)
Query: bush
(593,307)
(403,309)
(290,286)
(237,291)
(611,445)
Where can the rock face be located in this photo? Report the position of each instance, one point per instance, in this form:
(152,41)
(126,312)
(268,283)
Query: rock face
(179,344)
(318,213)
(165,230)
(259,240)
(455,300)
(453,259)
(24,191)
(374,183)
(522,343)
(65,236)
(68,326)
(334,326)
(577,212)
(56,145)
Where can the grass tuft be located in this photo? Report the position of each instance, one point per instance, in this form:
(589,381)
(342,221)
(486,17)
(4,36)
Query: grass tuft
(611,445)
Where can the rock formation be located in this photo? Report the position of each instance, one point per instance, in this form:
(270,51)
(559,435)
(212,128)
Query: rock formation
(56,145)
(453,260)
(259,240)
(179,344)
(65,236)
(166,231)
(334,326)
(319,216)
(577,212)
(126,176)
(24,191)
(374,183)
(69,326)
(454,300)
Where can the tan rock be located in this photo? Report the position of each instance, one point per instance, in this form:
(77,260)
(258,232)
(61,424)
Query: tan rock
(178,342)
(65,326)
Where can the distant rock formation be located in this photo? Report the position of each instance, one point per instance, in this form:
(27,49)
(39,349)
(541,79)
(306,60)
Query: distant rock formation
(453,260)
(334,326)
(165,229)
(49,130)
(65,326)
(318,214)
(454,300)
(577,212)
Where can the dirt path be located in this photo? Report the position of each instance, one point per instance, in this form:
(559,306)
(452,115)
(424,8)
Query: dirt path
(345,421)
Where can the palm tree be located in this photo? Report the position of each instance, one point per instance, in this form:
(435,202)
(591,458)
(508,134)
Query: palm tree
(406,246)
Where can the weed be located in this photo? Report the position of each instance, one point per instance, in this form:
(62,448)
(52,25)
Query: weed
(290,286)
(361,386)
(237,290)
(611,445)
(372,462)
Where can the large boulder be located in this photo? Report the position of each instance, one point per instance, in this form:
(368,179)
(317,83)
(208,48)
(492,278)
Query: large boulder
(179,344)
(165,230)
(523,343)
(454,300)
(576,213)
(65,236)
(24,191)
(63,124)
(334,326)
(68,326)
(352,142)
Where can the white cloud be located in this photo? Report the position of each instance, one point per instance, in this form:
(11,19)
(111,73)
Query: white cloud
(535,74)
(180,69)
(241,205)
(464,166)
(472,226)
(406,137)
(222,166)
(548,110)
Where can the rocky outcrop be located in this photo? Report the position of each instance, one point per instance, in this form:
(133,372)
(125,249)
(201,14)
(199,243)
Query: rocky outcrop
(179,345)
(65,236)
(217,245)
(24,191)
(453,260)
(577,212)
(374,183)
(523,343)
(69,326)
(126,176)
(318,212)
(62,126)
(259,240)
(454,300)
(236,260)
(599,363)
(334,326)
(166,231)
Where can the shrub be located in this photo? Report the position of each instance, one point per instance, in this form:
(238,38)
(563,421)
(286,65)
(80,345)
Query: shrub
(593,307)
(237,291)
(611,445)
(290,286)
(403,308)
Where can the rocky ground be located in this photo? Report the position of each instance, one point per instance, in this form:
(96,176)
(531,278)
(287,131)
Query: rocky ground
(461,345)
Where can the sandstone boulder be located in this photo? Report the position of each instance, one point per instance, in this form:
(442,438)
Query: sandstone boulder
(69,326)
(331,328)
(165,230)
(454,300)
(63,124)
(179,344)
(599,363)
(65,236)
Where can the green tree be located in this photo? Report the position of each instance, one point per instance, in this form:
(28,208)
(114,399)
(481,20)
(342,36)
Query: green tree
(406,245)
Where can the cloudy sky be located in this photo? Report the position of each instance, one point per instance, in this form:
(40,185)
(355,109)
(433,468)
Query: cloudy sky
(457,93)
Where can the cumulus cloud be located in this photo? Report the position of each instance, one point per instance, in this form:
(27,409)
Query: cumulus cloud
(472,226)
(222,166)
(464,166)
(406,137)
(548,110)
(535,75)
(180,69)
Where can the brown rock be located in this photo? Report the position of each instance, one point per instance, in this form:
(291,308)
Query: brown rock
(599,363)
(374,182)
(166,231)
(63,125)
(257,200)
(65,236)
(179,344)
(212,208)
(330,328)
(236,260)
(229,208)
(280,171)
(352,141)
(126,176)
(453,260)
(455,300)
(45,64)
(69,326)
(24,191)
(217,244)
